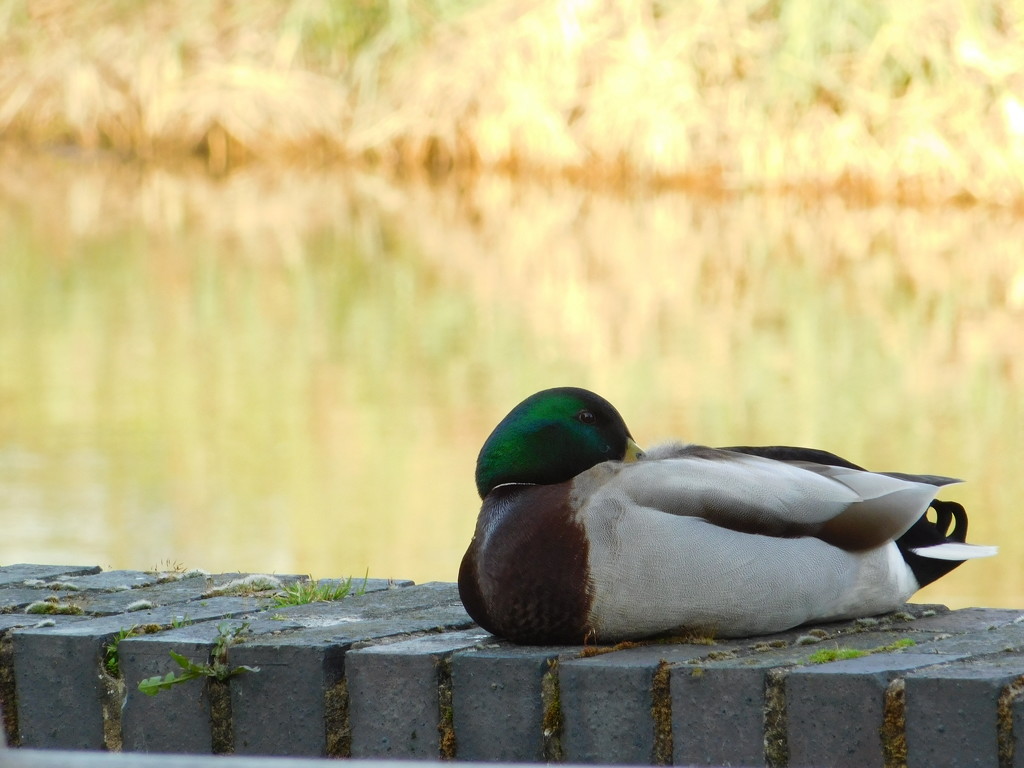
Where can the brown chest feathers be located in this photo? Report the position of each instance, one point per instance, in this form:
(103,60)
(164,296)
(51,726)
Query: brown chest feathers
(525,575)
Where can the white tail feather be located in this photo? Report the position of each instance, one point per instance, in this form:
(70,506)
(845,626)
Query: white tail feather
(953,550)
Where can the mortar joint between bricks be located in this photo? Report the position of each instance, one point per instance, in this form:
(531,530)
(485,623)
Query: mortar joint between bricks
(893,731)
(338,730)
(776,736)
(446,716)
(1005,740)
(8,692)
(551,723)
(661,714)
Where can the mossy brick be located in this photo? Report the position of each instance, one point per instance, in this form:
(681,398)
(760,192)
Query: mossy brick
(190,589)
(383,604)
(399,695)
(58,671)
(432,594)
(19,573)
(497,700)
(181,598)
(608,703)
(292,706)
(836,711)
(366,586)
(952,711)
(17,599)
(110,581)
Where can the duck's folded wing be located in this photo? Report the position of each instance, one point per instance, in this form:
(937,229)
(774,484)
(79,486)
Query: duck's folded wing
(794,453)
(812,457)
(849,508)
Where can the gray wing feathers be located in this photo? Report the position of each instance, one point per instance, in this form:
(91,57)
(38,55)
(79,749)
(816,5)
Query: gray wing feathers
(848,508)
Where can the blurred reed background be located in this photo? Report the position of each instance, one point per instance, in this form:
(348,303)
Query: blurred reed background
(272,271)
(915,100)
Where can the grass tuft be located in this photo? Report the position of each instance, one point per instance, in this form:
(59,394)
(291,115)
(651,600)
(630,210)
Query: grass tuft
(317,591)
(827,655)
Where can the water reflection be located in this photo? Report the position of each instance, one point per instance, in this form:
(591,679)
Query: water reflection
(293,371)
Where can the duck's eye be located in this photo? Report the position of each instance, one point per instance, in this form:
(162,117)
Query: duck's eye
(586,417)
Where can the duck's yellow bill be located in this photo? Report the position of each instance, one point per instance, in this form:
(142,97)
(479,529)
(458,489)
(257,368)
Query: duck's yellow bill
(633,451)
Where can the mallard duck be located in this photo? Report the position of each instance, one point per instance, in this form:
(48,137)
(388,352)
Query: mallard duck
(583,537)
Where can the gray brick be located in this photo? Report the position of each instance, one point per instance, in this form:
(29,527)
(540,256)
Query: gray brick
(835,711)
(10,621)
(718,712)
(395,706)
(284,708)
(497,701)
(422,596)
(22,572)
(8,690)
(1008,637)
(109,581)
(952,711)
(175,720)
(967,620)
(607,703)
(19,598)
(58,673)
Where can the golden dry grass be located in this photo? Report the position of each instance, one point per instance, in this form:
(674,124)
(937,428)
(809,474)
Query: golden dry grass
(912,101)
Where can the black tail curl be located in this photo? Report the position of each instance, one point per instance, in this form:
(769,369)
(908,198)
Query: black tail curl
(927,533)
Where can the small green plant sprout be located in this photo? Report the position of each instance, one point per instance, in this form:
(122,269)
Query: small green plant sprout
(110,658)
(217,668)
(317,591)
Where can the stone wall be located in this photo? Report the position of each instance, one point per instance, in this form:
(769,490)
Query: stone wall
(396,670)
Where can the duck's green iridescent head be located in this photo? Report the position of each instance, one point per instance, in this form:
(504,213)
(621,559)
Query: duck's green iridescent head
(551,437)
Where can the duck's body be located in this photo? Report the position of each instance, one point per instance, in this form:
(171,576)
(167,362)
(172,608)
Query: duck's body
(733,542)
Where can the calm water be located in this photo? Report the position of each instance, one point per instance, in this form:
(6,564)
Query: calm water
(292,372)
